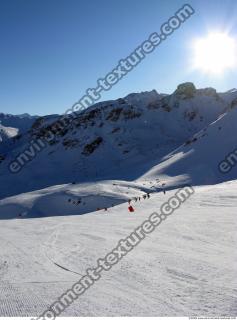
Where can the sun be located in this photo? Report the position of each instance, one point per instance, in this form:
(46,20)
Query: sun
(215,53)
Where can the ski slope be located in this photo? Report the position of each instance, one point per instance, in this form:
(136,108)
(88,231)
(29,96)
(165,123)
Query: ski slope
(53,222)
(187,266)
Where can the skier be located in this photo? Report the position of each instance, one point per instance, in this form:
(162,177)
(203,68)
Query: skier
(144,196)
(148,196)
(131,209)
(129,201)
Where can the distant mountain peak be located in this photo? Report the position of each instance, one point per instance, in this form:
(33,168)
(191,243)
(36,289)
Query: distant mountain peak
(116,139)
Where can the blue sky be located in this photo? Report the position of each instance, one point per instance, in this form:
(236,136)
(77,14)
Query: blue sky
(53,50)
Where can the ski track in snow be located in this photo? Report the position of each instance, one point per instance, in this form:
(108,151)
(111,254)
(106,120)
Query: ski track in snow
(187,266)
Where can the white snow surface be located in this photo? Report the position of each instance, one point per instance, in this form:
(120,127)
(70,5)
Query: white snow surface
(7,133)
(199,159)
(187,266)
(53,225)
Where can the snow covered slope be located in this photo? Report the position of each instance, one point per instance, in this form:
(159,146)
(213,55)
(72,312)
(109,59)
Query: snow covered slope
(7,133)
(197,161)
(22,122)
(186,267)
(114,152)
(119,139)
(70,199)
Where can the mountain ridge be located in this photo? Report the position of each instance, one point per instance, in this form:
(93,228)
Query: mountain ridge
(116,139)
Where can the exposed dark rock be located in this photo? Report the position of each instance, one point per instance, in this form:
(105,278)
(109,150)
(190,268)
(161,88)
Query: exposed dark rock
(91,147)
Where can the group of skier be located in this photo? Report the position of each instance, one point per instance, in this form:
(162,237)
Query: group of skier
(135,199)
(130,207)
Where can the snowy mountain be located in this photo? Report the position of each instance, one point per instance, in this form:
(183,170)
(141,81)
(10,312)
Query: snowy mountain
(7,133)
(120,139)
(198,160)
(15,124)
(117,152)
(136,138)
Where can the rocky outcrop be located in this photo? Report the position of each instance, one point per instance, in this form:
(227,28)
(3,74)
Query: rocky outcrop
(91,147)
(185,90)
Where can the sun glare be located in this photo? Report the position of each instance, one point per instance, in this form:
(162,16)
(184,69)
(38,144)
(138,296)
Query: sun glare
(215,53)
